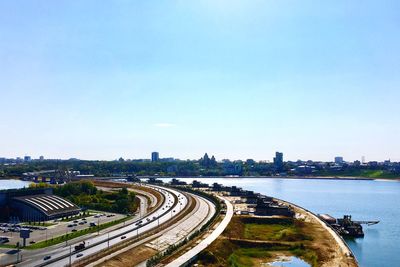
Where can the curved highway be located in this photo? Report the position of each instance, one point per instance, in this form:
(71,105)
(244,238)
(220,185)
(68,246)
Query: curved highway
(66,255)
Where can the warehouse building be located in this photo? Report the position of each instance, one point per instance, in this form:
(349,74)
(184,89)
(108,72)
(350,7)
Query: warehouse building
(35,205)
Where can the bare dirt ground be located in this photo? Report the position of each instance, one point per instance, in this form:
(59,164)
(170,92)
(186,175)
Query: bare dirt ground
(130,258)
(319,242)
(330,248)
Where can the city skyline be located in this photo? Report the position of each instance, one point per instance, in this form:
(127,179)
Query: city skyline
(155,156)
(239,79)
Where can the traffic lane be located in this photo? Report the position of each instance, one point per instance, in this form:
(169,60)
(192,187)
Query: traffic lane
(103,238)
(65,249)
(193,221)
(208,240)
(62,228)
(138,230)
(38,255)
(152,198)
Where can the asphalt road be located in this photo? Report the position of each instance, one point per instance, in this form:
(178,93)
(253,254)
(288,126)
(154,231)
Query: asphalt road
(39,254)
(67,255)
(191,222)
(182,260)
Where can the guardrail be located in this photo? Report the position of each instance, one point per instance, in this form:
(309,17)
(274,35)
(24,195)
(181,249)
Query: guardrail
(100,242)
(129,241)
(171,249)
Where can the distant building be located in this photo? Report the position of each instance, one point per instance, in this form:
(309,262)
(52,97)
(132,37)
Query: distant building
(41,158)
(373,164)
(217,187)
(232,168)
(339,160)
(155,156)
(268,208)
(35,205)
(27,158)
(278,160)
(167,160)
(197,184)
(153,180)
(177,182)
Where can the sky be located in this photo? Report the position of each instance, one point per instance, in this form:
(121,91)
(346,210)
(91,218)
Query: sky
(237,79)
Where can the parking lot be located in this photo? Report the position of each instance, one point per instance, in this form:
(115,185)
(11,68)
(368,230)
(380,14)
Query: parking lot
(55,228)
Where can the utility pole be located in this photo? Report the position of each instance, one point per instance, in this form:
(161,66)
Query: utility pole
(66,236)
(17,252)
(98,225)
(70,252)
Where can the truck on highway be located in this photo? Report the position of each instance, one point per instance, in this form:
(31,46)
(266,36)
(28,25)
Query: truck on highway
(80,246)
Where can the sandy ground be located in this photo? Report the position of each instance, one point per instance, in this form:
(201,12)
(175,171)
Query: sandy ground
(130,258)
(335,251)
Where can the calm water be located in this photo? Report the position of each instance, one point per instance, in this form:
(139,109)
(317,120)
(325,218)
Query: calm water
(364,200)
(13,184)
(289,262)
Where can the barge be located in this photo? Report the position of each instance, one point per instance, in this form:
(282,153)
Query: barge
(346,226)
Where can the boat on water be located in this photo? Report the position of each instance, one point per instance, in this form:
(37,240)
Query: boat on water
(346,226)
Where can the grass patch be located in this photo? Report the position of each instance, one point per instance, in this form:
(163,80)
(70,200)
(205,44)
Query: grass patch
(247,256)
(38,224)
(375,174)
(80,216)
(275,232)
(69,236)
(239,247)
(306,254)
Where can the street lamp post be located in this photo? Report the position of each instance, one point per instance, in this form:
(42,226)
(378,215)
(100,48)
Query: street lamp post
(70,253)
(66,236)
(17,252)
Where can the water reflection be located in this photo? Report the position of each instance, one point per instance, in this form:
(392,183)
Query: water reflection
(288,262)
(363,199)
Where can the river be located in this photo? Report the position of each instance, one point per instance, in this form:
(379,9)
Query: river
(363,199)
(13,184)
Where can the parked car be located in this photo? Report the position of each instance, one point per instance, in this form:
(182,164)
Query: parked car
(48,257)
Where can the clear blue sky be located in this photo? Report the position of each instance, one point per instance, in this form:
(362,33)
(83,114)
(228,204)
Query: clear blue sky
(237,79)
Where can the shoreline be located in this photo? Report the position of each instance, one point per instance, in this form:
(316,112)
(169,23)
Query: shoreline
(338,178)
(344,178)
(346,255)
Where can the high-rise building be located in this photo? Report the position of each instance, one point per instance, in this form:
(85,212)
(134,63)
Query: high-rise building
(41,158)
(339,160)
(278,160)
(27,158)
(155,156)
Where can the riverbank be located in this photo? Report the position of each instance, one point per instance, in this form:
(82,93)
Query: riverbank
(260,240)
(333,242)
(338,178)
(344,178)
